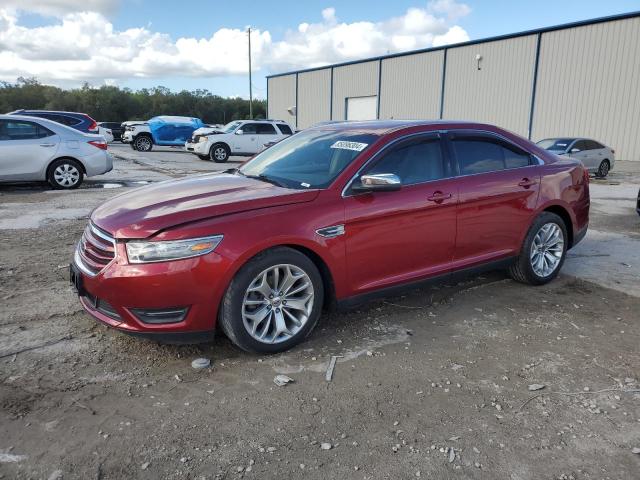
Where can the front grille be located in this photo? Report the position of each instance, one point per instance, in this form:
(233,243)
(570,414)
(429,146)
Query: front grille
(95,250)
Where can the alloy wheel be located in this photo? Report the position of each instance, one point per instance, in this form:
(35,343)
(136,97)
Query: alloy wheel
(143,144)
(220,153)
(547,249)
(278,303)
(66,175)
(603,171)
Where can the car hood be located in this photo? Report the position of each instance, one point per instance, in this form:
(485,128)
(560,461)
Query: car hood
(146,211)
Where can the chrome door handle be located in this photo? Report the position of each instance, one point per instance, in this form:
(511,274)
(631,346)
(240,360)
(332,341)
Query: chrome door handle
(526,183)
(47,144)
(438,197)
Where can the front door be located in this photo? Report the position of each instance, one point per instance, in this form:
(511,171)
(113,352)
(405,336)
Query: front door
(499,184)
(405,235)
(245,142)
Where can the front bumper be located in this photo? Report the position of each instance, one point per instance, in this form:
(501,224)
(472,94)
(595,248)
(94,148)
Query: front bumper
(197,284)
(200,148)
(127,136)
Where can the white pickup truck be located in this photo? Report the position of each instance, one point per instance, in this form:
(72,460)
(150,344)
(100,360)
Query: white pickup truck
(241,137)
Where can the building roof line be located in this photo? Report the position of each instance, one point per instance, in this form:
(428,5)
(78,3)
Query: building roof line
(563,26)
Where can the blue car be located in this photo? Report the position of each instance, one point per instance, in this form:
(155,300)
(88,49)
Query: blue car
(165,130)
(79,121)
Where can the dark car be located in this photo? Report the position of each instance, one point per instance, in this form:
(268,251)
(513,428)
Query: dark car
(332,215)
(115,127)
(79,121)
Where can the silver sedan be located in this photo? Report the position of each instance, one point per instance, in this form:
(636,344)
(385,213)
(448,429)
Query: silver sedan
(36,149)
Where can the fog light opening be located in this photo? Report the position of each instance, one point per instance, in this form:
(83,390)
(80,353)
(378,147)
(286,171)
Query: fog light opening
(160,315)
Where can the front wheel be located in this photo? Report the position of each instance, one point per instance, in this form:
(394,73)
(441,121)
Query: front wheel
(219,153)
(543,251)
(143,144)
(603,169)
(273,302)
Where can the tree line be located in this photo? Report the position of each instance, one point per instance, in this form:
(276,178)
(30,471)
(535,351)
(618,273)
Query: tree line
(114,104)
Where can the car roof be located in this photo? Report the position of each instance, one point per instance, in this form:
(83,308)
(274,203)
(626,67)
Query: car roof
(51,111)
(46,122)
(381,127)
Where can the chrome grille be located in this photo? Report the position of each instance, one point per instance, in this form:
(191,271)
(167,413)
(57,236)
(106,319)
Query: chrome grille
(95,250)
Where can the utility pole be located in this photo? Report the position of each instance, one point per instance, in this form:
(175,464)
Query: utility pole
(250,86)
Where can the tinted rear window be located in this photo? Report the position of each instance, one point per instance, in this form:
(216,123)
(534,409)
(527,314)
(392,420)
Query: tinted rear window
(285,129)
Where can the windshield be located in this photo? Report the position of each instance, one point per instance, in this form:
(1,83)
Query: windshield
(230,127)
(311,159)
(555,144)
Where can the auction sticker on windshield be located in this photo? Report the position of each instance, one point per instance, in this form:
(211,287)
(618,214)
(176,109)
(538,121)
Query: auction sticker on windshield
(355,146)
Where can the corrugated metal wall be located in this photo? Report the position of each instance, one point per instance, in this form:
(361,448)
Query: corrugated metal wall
(356,80)
(589,85)
(314,95)
(410,86)
(282,95)
(498,93)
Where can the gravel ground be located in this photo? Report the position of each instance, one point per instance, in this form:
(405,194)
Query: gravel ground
(433,384)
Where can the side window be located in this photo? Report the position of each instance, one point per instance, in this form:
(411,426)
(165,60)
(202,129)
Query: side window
(481,155)
(249,129)
(593,145)
(285,129)
(581,145)
(266,129)
(21,130)
(414,162)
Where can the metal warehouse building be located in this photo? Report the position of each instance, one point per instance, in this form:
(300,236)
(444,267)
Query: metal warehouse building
(578,79)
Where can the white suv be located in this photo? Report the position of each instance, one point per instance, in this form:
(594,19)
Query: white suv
(242,138)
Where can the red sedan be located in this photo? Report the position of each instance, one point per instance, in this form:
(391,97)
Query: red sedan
(333,215)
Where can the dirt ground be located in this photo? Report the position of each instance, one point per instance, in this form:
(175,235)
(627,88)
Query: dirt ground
(433,384)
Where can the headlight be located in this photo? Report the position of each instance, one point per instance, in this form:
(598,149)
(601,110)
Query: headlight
(162,251)
(202,139)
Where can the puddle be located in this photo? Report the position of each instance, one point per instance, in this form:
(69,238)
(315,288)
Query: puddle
(110,185)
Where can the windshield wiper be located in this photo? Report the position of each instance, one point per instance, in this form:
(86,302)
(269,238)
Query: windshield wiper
(264,178)
(234,171)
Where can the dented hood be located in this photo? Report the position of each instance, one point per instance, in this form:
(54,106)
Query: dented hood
(146,211)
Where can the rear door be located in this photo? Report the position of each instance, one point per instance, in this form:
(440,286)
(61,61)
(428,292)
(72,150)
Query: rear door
(266,133)
(25,149)
(405,235)
(498,184)
(580,151)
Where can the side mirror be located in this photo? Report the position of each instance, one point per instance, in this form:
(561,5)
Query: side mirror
(239,132)
(574,150)
(379,182)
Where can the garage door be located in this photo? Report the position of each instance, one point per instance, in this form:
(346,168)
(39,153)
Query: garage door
(362,108)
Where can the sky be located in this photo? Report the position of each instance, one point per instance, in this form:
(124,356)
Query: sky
(199,44)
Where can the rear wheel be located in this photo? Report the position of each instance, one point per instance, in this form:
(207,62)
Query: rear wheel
(543,251)
(603,169)
(273,302)
(143,143)
(219,153)
(65,174)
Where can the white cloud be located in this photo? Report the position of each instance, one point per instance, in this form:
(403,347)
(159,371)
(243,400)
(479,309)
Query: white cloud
(58,8)
(81,44)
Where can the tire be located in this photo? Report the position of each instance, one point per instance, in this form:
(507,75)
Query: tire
(257,276)
(143,143)
(204,157)
(603,169)
(525,270)
(65,174)
(133,147)
(219,153)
